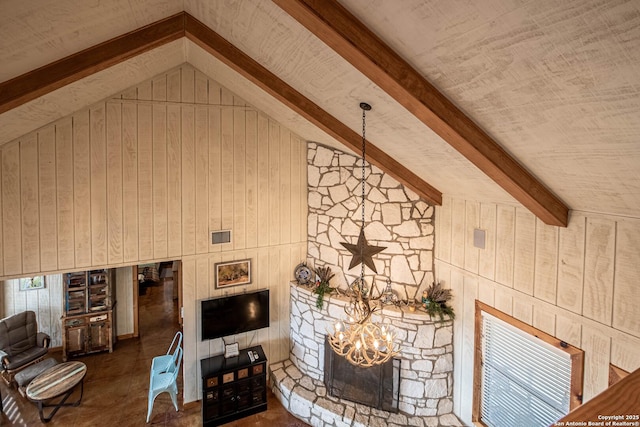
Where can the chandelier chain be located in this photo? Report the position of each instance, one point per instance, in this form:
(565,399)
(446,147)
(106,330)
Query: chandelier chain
(359,339)
(364,128)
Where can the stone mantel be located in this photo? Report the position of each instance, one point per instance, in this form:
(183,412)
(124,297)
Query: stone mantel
(426,376)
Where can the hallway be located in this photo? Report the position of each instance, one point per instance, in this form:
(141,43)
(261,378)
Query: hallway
(116,384)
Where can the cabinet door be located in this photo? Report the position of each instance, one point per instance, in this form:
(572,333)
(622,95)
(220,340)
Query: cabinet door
(258,397)
(243,394)
(98,291)
(75,293)
(211,405)
(76,339)
(98,336)
(258,390)
(228,398)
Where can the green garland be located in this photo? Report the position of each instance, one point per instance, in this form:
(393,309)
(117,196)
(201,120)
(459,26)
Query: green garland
(321,290)
(434,307)
(322,286)
(434,301)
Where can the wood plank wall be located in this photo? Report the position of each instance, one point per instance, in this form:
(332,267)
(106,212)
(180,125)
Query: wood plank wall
(579,283)
(146,176)
(47,303)
(270,269)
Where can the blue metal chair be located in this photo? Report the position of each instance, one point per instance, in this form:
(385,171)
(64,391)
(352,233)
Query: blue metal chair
(162,363)
(167,381)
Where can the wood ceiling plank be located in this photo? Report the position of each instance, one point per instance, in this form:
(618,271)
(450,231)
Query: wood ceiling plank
(50,77)
(46,79)
(270,83)
(351,39)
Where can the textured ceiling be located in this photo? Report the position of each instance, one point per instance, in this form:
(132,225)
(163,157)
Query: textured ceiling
(556,83)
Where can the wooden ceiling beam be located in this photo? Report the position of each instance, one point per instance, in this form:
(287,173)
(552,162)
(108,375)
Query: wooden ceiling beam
(46,79)
(217,46)
(50,77)
(351,39)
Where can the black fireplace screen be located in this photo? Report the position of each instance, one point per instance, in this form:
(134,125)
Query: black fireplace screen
(377,386)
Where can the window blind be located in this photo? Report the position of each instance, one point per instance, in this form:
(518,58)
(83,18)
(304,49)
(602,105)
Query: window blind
(525,381)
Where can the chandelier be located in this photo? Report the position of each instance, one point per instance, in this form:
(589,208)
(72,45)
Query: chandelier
(361,341)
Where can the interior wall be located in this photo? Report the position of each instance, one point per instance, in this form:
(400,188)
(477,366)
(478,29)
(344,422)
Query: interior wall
(47,303)
(124,299)
(272,268)
(579,283)
(145,176)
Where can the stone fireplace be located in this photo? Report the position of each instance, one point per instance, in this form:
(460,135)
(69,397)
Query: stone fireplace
(397,219)
(425,395)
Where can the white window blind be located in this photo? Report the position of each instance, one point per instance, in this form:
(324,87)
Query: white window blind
(525,381)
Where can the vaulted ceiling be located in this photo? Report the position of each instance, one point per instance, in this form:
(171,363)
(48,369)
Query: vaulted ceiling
(504,101)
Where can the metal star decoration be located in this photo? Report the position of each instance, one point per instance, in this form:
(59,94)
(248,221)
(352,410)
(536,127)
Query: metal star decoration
(363,252)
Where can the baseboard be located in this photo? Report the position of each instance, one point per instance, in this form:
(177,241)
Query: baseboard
(190,405)
(125,337)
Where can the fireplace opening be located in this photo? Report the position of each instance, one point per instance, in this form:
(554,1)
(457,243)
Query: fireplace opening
(377,386)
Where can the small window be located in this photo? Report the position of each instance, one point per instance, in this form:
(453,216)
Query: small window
(523,376)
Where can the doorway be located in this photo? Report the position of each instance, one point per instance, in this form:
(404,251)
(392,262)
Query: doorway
(157,296)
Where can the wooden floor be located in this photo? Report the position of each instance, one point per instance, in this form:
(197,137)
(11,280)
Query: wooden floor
(116,384)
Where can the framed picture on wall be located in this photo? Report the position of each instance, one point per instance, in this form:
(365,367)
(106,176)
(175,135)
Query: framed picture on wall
(31,283)
(233,273)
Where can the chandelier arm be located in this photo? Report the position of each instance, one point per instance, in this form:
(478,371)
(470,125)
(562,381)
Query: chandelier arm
(375,286)
(346,311)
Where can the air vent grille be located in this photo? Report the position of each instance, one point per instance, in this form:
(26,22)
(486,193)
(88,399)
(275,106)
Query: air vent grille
(218,237)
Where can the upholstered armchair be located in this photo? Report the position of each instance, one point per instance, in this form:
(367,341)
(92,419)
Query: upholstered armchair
(20,343)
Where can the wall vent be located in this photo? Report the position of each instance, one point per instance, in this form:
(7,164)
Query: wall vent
(218,237)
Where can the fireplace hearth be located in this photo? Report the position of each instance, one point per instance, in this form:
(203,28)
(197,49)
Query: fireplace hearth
(377,387)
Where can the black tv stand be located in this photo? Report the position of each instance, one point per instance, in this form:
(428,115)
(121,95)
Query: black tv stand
(233,388)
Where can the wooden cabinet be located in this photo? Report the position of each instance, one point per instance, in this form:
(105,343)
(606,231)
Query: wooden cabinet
(87,333)
(88,325)
(234,387)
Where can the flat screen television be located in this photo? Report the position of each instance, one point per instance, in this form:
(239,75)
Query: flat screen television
(230,315)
